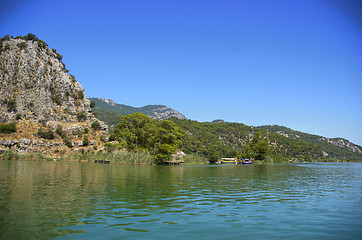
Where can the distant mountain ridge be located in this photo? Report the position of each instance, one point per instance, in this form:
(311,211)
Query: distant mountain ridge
(110,111)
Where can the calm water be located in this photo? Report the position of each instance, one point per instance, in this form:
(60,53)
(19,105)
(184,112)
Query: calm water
(54,200)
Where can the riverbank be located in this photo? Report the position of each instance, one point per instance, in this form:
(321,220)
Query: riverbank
(118,157)
(138,158)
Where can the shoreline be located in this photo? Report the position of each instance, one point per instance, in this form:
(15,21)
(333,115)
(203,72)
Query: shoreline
(139,158)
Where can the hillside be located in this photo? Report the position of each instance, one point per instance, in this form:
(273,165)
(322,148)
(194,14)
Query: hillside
(334,147)
(110,112)
(47,105)
(219,138)
(222,139)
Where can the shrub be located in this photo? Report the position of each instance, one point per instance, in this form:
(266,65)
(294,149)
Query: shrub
(56,99)
(9,155)
(30,36)
(67,141)
(59,56)
(96,126)
(4,48)
(11,105)
(22,45)
(5,38)
(59,131)
(42,122)
(85,140)
(46,135)
(7,128)
(18,116)
(80,94)
(81,116)
(80,133)
(86,130)
(72,77)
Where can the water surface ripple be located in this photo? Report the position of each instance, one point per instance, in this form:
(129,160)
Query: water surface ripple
(46,200)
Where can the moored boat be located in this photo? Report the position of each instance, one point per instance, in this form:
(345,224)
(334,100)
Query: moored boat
(228,161)
(246,161)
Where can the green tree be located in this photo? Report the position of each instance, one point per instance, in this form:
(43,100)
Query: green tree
(96,125)
(139,132)
(257,148)
(165,139)
(135,130)
(92,104)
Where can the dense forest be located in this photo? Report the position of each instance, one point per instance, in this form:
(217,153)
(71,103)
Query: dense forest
(223,139)
(138,132)
(338,148)
(213,140)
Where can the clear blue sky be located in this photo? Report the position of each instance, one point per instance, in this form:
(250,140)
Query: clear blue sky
(296,63)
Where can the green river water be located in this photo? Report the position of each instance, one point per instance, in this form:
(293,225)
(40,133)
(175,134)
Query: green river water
(69,200)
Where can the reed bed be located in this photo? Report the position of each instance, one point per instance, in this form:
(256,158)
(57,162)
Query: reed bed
(194,159)
(12,155)
(118,157)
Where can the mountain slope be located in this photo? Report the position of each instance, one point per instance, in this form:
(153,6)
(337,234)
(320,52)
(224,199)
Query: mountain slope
(109,111)
(223,139)
(334,147)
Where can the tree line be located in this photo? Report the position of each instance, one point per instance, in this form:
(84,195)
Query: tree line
(214,140)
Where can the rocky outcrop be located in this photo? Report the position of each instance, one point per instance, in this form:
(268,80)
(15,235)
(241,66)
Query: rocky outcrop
(110,102)
(36,84)
(159,112)
(36,88)
(164,112)
(343,143)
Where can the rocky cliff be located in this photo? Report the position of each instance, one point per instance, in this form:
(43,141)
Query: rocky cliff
(38,92)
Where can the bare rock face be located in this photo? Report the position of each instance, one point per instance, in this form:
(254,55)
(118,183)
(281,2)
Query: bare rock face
(37,92)
(35,84)
(164,112)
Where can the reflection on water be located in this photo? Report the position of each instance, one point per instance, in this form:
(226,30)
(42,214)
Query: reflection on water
(88,201)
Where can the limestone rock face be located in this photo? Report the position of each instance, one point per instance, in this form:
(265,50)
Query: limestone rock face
(164,112)
(38,94)
(35,84)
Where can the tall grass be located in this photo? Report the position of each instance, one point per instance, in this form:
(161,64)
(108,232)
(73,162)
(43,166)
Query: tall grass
(12,155)
(194,159)
(119,157)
